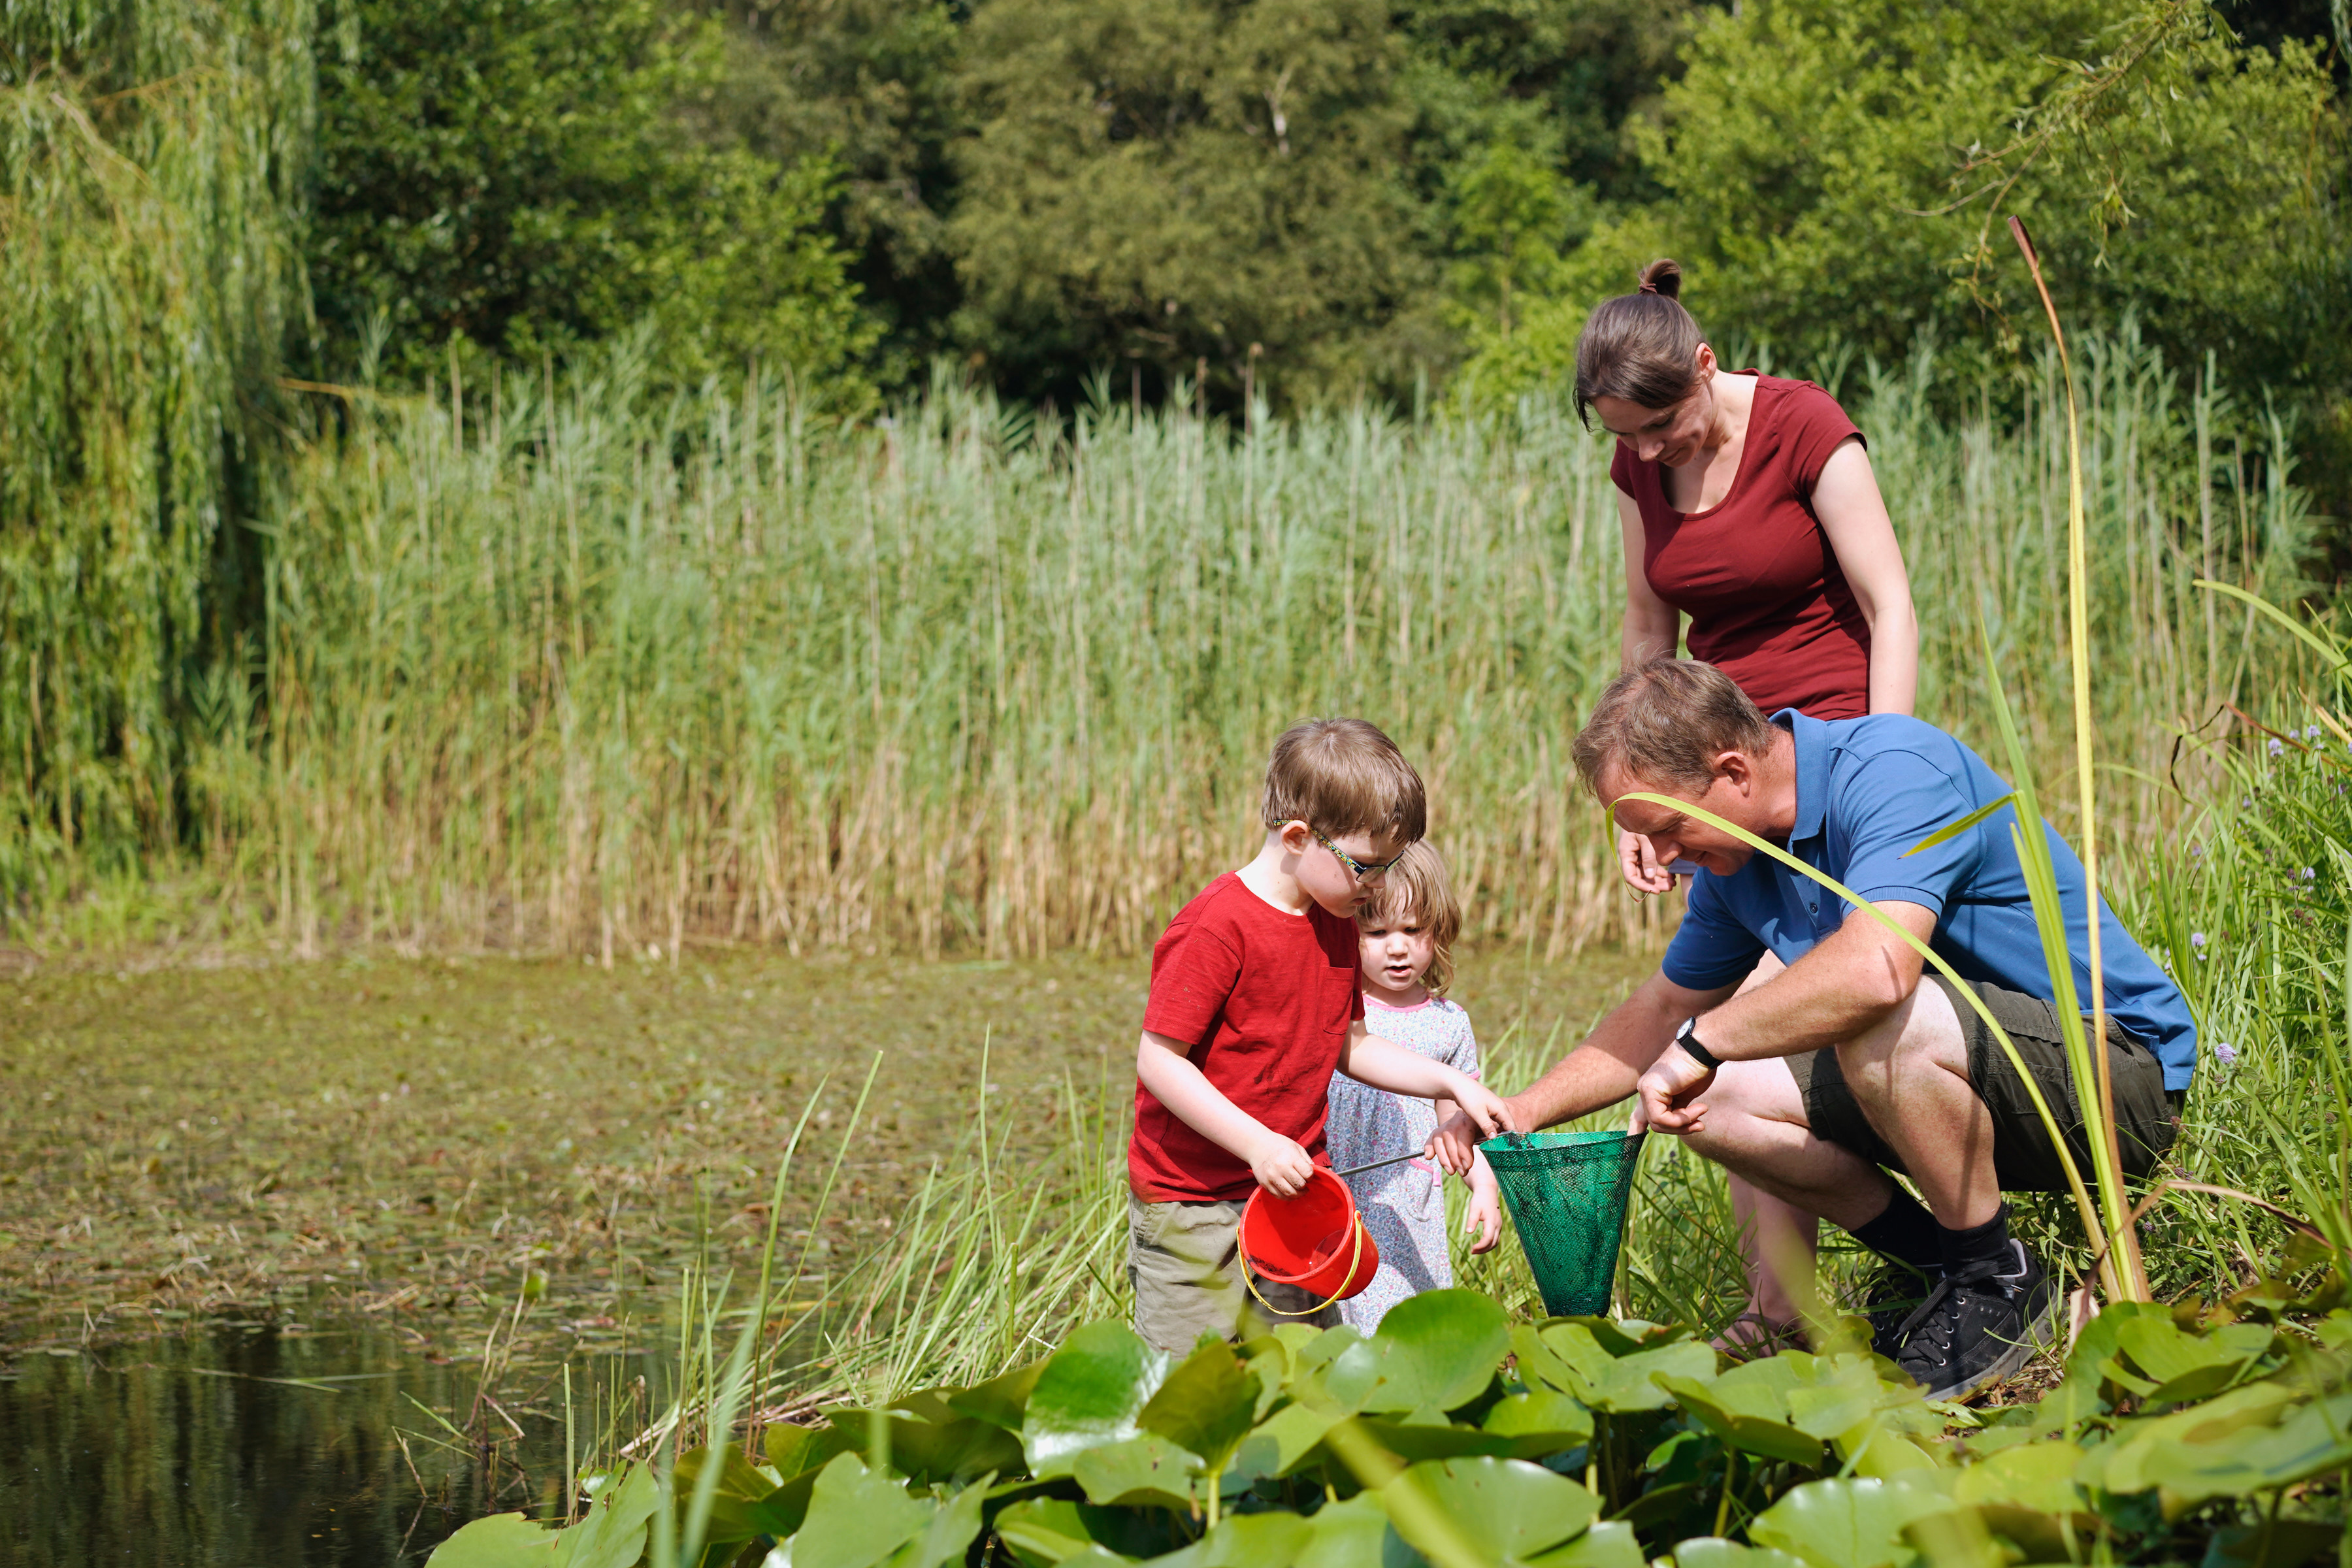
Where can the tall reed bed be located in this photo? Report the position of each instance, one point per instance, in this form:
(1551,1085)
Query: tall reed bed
(550,665)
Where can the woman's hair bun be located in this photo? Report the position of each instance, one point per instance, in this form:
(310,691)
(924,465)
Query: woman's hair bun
(1664,276)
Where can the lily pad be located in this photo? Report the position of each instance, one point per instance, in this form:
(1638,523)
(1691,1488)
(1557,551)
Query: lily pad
(1045,1530)
(1090,1393)
(931,1452)
(1246,1541)
(1714,1552)
(732,1503)
(1439,1349)
(1621,1382)
(1354,1534)
(1846,1523)
(1147,1470)
(794,1450)
(1494,1508)
(612,1534)
(501,1540)
(1745,1416)
(1540,1422)
(947,1540)
(1281,1444)
(1207,1407)
(857,1517)
(2185,1366)
(1001,1401)
(1611,1543)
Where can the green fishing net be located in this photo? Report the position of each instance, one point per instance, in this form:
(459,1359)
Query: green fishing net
(1567,1193)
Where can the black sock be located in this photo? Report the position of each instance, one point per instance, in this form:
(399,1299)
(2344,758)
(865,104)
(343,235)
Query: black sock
(1986,1243)
(1905,1232)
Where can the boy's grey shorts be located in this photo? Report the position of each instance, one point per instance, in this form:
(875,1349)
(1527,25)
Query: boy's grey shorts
(2146,1117)
(1184,1261)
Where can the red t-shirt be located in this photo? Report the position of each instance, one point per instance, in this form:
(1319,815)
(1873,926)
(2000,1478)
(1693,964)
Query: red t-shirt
(1769,604)
(1267,997)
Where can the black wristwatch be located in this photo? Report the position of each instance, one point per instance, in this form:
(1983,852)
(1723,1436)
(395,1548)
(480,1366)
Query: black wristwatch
(1687,1038)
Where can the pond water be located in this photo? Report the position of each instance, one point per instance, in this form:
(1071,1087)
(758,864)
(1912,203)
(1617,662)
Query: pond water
(251,1447)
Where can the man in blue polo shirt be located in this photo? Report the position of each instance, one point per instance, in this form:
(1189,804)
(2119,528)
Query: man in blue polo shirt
(1815,1083)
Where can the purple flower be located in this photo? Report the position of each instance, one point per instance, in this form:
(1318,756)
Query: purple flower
(2278,748)
(2197,939)
(2312,733)
(2224,1052)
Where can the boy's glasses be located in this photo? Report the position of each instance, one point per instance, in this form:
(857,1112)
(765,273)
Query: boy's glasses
(1364,871)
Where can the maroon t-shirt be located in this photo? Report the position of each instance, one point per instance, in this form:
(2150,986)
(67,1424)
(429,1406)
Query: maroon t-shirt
(1769,605)
(1265,999)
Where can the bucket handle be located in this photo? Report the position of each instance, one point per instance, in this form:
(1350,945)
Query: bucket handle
(1249,1279)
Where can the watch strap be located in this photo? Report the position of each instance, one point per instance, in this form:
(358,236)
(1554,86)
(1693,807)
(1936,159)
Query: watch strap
(1687,1038)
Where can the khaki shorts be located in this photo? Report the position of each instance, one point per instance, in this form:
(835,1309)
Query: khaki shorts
(2146,1117)
(1184,1261)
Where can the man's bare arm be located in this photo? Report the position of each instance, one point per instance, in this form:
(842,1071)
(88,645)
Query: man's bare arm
(1858,974)
(1604,1068)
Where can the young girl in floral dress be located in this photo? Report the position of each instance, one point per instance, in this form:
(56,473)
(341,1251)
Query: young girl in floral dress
(1405,954)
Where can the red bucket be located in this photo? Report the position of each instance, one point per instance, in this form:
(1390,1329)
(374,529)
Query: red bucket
(1314,1241)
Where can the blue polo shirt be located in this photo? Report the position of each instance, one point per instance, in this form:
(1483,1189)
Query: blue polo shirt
(1868,790)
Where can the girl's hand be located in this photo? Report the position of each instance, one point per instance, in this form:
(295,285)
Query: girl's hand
(1639,864)
(1485,1215)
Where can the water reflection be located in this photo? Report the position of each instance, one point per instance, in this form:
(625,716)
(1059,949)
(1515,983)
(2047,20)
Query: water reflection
(245,1446)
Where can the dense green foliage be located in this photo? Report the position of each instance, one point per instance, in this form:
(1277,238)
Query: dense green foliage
(516,175)
(1454,1437)
(610,667)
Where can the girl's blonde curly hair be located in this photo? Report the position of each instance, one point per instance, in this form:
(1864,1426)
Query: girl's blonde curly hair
(1416,891)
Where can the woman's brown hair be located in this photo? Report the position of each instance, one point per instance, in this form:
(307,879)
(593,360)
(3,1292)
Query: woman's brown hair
(1641,347)
(1416,891)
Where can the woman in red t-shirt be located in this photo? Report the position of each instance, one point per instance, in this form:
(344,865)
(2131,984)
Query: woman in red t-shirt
(1749,504)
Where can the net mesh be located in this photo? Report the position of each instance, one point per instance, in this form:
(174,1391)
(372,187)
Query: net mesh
(1567,1193)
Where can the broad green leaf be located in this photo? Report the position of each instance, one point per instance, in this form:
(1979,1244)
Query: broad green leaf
(929,1405)
(1608,1545)
(1044,1531)
(740,1488)
(501,1540)
(1497,1508)
(1846,1523)
(1246,1541)
(2185,1366)
(1352,1534)
(613,1535)
(1311,1348)
(1352,1376)
(1090,1393)
(1282,1444)
(1616,1383)
(793,1450)
(1440,1348)
(857,1517)
(2232,1456)
(1541,1421)
(1143,1471)
(948,1538)
(1440,1440)
(1739,1428)
(2039,1476)
(931,1452)
(1001,1401)
(1714,1551)
(1207,1407)
(2167,1450)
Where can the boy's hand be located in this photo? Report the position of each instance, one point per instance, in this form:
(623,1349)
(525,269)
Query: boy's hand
(1485,1215)
(1280,1166)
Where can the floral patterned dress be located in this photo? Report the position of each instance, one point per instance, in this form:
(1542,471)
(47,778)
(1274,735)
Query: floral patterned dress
(1403,1206)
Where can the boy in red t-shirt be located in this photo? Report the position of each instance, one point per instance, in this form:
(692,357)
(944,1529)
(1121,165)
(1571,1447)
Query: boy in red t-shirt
(1254,1005)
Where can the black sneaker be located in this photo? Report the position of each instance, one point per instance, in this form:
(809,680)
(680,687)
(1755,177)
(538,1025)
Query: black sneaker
(1978,1326)
(1898,1291)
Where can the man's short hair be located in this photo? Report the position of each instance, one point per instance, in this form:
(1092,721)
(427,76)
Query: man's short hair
(1665,722)
(1340,776)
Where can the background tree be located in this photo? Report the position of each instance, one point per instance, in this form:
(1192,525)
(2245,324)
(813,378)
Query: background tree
(519,174)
